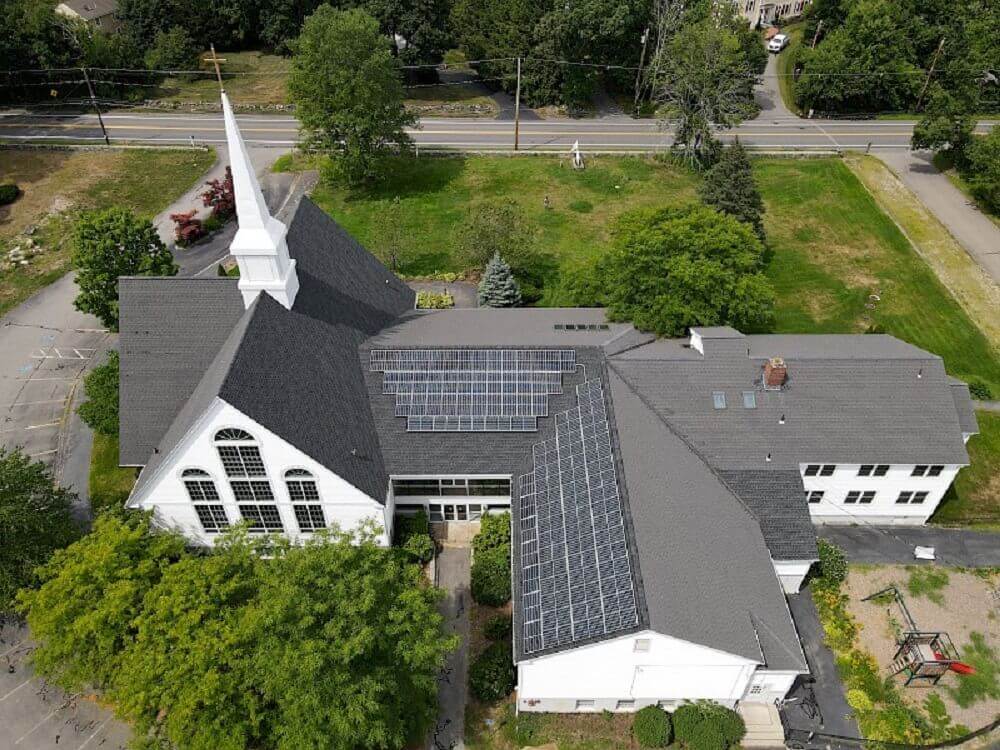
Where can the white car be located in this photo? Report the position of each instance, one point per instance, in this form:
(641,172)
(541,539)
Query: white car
(778,42)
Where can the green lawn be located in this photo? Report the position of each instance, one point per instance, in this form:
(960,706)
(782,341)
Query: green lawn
(108,484)
(974,498)
(59,182)
(833,246)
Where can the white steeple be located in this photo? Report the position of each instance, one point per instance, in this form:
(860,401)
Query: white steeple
(259,246)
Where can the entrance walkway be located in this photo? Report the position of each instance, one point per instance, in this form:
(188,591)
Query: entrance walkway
(819,705)
(452,573)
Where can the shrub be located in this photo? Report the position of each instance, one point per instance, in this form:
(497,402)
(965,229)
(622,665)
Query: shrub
(435,301)
(832,562)
(491,676)
(494,532)
(100,410)
(651,727)
(979,390)
(412,533)
(421,546)
(491,577)
(705,725)
(187,228)
(499,628)
(859,700)
(9,192)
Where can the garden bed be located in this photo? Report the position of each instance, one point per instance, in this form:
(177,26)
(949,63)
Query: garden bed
(961,603)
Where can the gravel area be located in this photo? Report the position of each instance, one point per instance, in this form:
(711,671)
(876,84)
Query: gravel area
(968,603)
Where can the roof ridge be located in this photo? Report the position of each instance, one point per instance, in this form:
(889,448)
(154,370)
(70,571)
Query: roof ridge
(690,446)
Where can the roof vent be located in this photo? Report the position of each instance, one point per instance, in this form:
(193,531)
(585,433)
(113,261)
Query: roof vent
(775,373)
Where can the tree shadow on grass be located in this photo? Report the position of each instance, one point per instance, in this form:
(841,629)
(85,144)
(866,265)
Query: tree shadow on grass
(406,176)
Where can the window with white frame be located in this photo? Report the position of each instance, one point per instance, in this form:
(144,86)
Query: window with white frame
(301,486)
(625,704)
(584,705)
(823,470)
(935,471)
(464,487)
(239,453)
(262,519)
(641,644)
(719,399)
(310,518)
(919,470)
(749,400)
(857,496)
(207,506)
(873,470)
(814,496)
(911,498)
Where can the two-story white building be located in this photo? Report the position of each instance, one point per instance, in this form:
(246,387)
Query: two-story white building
(663,492)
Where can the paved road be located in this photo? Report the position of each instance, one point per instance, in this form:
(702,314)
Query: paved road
(613,133)
(768,94)
(894,544)
(977,234)
(453,576)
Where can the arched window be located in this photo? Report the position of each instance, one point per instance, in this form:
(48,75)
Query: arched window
(304,494)
(242,462)
(203,493)
(239,453)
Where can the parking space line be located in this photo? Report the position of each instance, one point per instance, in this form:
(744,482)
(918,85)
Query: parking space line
(40,426)
(91,737)
(10,693)
(47,717)
(43,453)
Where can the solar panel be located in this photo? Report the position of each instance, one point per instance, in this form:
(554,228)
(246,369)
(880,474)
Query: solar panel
(576,579)
(472,390)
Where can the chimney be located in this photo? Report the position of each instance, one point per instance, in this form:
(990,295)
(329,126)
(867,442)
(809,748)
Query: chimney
(775,373)
(259,245)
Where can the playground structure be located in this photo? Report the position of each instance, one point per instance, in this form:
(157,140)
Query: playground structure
(923,656)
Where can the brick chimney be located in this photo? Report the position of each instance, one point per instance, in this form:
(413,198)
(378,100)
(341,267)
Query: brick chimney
(775,373)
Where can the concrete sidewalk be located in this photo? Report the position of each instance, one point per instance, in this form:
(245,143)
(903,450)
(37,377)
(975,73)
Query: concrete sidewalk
(453,566)
(976,233)
(894,544)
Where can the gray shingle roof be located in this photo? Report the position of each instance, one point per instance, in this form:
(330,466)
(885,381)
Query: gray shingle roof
(964,407)
(91,9)
(170,331)
(706,570)
(280,367)
(871,408)
(777,500)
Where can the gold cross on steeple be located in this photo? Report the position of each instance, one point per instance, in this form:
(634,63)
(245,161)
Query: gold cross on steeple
(216,59)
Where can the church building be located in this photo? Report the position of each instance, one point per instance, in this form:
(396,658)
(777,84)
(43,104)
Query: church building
(663,492)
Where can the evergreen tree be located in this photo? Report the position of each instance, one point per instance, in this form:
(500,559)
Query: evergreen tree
(730,187)
(498,287)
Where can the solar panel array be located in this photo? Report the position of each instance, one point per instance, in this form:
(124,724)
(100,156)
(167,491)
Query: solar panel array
(576,579)
(472,390)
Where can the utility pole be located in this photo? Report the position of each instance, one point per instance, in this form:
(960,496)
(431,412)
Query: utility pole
(930,72)
(517,107)
(93,101)
(638,74)
(816,35)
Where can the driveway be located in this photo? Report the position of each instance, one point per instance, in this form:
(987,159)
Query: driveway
(768,95)
(894,544)
(976,233)
(819,705)
(453,576)
(38,716)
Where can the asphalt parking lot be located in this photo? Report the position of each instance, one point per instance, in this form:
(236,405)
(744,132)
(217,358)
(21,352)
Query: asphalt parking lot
(35,715)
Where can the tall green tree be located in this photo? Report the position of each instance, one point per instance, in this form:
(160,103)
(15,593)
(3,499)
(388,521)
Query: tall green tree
(983,169)
(673,268)
(498,288)
(259,643)
(174,49)
(729,186)
(703,77)
(35,520)
(100,410)
(112,243)
(348,93)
